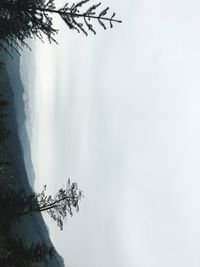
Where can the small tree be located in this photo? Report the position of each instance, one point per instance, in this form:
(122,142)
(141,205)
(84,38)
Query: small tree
(21,19)
(58,207)
(15,203)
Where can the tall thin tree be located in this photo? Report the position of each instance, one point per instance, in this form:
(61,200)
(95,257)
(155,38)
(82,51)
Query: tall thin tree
(16,203)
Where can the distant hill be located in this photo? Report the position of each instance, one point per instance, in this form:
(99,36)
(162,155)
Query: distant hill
(13,70)
(31,228)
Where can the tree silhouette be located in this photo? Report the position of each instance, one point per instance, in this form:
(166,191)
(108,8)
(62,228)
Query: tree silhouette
(58,207)
(16,203)
(21,19)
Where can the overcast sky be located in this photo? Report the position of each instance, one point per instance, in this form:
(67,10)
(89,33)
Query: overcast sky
(119,113)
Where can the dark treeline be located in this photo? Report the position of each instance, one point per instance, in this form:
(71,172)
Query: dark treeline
(16,204)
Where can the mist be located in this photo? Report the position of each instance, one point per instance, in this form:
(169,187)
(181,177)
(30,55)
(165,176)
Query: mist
(119,114)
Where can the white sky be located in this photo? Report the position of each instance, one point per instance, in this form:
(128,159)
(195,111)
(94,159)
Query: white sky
(119,114)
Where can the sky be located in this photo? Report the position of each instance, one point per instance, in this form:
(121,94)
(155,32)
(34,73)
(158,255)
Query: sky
(118,113)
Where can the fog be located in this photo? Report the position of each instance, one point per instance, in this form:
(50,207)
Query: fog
(119,114)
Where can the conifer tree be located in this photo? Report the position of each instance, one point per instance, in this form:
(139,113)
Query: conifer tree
(16,203)
(64,203)
(21,19)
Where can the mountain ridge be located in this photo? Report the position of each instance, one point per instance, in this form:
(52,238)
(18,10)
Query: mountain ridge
(31,228)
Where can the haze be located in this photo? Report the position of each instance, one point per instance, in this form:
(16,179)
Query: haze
(119,113)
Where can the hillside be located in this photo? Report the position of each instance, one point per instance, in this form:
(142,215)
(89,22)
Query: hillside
(31,228)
